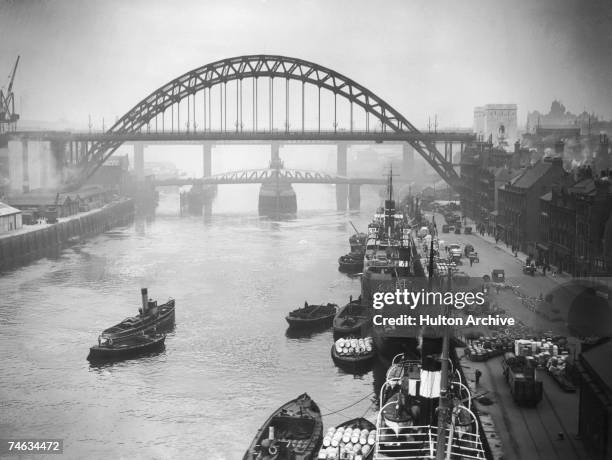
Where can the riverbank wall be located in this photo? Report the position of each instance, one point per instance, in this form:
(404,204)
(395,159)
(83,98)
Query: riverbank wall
(34,242)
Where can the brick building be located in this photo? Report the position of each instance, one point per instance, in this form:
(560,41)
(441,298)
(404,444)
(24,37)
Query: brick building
(519,203)
(595,409)
(484,169)
(573,224)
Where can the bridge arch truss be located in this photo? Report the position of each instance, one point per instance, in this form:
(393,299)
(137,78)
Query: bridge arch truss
(237,69)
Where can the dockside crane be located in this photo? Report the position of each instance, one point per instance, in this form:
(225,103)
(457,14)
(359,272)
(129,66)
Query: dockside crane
(8,117)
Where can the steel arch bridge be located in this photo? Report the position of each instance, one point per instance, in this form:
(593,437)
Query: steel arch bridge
(152,109)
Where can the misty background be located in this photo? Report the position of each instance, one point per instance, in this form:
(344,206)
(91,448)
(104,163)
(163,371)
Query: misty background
(94,60)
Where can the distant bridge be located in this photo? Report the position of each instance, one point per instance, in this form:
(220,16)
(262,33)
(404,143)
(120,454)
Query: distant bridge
(260,176)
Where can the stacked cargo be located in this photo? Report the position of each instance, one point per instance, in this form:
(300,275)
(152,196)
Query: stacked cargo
(341,443)
(487,347)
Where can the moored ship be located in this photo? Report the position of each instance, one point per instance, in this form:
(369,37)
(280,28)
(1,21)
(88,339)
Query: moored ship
(391,262)
(424,413)
(425,407)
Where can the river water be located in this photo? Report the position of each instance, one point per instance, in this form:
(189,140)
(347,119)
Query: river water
(227,365)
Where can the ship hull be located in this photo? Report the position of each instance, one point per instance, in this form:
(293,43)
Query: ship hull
(277,199)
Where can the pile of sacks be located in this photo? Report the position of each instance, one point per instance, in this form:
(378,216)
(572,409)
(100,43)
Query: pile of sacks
(556,365)
(349,442)
(353,346)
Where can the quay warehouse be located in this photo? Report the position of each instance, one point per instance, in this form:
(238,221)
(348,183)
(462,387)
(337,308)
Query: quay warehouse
(441,320)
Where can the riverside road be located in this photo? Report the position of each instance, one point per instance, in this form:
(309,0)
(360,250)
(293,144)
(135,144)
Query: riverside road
(525,433)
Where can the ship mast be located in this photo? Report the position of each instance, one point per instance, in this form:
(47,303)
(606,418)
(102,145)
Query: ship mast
(443,405)
(390,184)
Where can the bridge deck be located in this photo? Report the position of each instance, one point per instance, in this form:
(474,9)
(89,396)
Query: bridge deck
(252,136)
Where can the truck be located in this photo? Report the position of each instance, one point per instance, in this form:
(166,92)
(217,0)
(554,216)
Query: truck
(520,374)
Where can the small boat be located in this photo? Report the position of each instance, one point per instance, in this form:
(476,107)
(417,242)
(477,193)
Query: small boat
(312,316)
(152,317)
(360,436)
(352,319)
(128,347)
(351,263)
(294,431)
(353,354)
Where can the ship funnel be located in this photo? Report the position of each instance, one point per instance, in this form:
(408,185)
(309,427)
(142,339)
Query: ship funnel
(145,298)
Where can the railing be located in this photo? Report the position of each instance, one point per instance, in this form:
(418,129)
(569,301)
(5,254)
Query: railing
(421,442)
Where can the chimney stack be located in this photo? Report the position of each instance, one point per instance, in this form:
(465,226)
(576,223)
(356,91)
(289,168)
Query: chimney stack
(145,299)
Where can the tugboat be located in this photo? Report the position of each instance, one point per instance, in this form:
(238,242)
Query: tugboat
(294,431)
(128,347)
(151,316)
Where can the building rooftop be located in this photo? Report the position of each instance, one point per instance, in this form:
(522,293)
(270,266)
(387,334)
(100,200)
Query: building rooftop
(34,199)
(583,187)
(6,210)
(506,174)
(499,107)
(532,175)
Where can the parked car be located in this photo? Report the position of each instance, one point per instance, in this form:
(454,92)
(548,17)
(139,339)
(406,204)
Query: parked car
(454,249)
(498,276)
(529,269)
(461,278)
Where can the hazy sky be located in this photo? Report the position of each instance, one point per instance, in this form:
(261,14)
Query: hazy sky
(423,56)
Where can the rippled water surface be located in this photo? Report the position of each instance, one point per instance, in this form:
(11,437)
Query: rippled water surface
(227,365)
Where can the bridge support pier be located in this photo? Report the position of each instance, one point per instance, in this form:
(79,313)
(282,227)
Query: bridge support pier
(207,159)
(341,189)
(84,149)
(31,164)
(448,152)
(15,162)
(407,160)
(139,161)
(274,154)
(26,165)
(354,198)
